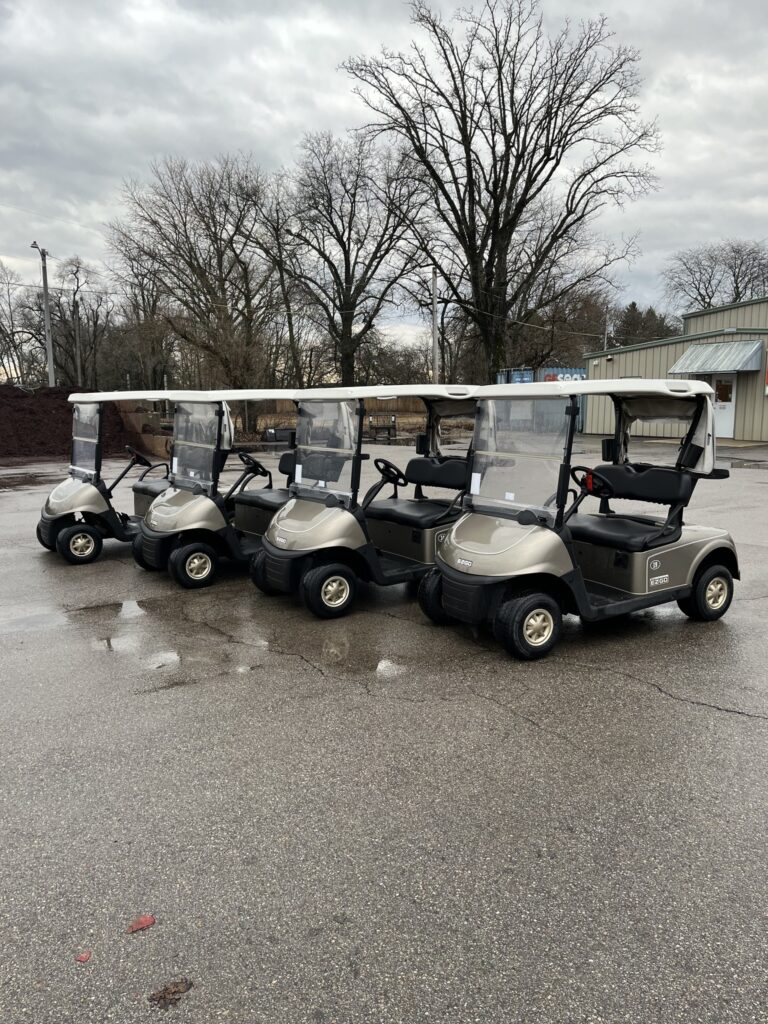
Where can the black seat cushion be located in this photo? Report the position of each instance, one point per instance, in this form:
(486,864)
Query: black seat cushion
(271,498)
(151,485)
(620,532)
(420,515)
(429,471)
(640,482)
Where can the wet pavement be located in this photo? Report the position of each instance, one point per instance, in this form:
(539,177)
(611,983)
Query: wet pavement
(374,819)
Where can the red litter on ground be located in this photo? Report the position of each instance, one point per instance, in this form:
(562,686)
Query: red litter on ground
(141,923)
(84,957)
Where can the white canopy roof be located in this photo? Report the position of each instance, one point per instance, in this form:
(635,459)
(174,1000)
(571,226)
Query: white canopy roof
(255,395)
(630,386)
(384,392)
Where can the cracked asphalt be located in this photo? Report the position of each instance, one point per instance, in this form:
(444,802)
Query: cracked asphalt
(375,819)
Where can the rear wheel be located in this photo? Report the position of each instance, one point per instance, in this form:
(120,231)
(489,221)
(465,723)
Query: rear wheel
(258,571)
(193,565)
(528,626)
(79,544)
(711,595)
(329,590)
(49,546)
(138,555)
(430,598)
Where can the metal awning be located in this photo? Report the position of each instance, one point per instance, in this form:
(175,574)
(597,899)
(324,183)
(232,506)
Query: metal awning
(724,357)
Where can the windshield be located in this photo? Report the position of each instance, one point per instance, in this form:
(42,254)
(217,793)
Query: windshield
(195,443)
(86,431)
(326,442)
(518,449)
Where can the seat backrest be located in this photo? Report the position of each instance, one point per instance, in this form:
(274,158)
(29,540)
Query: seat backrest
(287,464)
(659,484)
(431,472)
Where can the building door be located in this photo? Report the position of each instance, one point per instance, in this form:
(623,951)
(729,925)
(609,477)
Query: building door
(724,401)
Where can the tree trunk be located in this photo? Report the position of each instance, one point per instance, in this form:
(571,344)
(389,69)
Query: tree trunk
(347,353)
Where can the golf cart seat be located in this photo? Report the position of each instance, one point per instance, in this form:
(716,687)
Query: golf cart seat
(270,498)
(422,513)
(151,486)
(640,482)
(622,533)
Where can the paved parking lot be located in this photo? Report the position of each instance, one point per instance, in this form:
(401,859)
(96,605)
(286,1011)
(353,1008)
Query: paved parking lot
(374,819)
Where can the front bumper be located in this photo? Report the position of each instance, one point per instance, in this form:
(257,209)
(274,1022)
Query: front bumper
(156,547)
(282,568)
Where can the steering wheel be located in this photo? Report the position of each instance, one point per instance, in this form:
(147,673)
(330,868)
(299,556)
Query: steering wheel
(390,472)
(588,479)
(138,457)
(252,464)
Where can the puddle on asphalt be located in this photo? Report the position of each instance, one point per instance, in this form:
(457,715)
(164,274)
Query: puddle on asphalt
(13,481)
(746,464)
(41,618)
(163,659)
(387,669)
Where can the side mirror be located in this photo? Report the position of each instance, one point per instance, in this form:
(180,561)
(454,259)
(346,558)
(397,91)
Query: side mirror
(610,449)
(422,444)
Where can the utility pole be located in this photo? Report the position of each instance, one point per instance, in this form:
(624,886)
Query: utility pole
(435,347)
(78,357)
(605,332)
(47,317)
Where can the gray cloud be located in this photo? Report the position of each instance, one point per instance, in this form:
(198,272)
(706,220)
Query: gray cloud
(90,93)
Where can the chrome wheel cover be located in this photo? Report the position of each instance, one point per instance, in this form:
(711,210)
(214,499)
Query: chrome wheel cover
(82,545)
(198,566)
(716,593)
(538,627)
(335,591)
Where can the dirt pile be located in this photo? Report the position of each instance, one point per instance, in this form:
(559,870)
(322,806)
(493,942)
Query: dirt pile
(36,424)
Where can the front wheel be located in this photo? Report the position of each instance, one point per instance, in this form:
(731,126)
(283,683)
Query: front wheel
(430,598)
(48,545)
(193,565)
(528,626)
(711,595)
(329,590)
(79,544)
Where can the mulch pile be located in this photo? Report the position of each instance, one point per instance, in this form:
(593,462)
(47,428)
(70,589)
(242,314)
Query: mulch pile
(38,423)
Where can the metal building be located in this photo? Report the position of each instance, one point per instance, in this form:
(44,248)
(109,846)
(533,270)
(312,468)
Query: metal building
(725,346)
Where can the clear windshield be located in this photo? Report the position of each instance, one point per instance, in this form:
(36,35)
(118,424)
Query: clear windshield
(326,442)
(195,436)
(86,429)
(518,450)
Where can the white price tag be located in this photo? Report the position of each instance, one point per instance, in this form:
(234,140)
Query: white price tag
(297,475)
(474,487)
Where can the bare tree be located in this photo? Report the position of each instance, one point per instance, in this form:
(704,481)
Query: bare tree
(192,227)
(339,230)
(521,140)
(717,274)
(17,363)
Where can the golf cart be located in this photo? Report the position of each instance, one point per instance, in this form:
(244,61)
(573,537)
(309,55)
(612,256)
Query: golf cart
(524,553)
(78,515)
(191,526)
(325,539)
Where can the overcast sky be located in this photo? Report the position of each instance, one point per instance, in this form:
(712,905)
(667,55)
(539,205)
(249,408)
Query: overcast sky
(91,92)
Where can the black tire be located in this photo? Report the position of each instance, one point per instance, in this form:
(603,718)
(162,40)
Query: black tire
(529,625)
(79,544)
(41,542)
(711,595)
(430,598)
(138,555)
(258,573)
(329,590)
(193,565)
